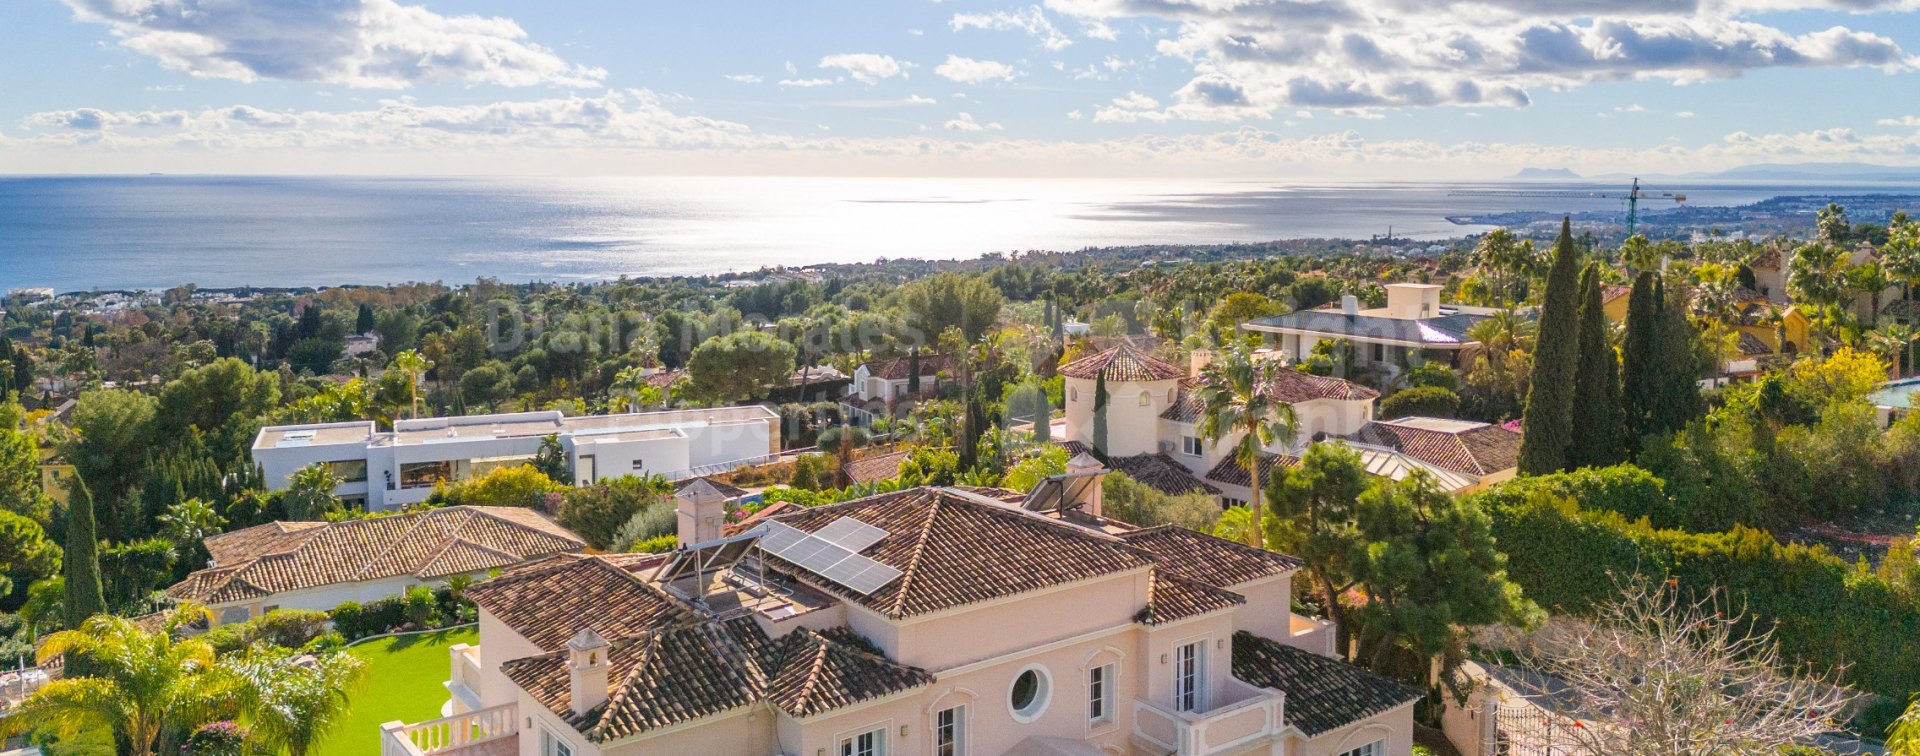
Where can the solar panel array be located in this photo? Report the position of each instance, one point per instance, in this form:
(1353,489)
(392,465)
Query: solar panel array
(828,559)
(850,534)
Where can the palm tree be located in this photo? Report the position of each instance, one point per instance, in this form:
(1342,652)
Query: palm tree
(1507,262)
(1234,399)
(1871,279)
(292,704)
(415,366)
(1817,275)
(1639,254)
(141,685)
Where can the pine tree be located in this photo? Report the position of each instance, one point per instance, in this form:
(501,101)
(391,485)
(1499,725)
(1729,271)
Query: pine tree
(1678,399)
(1640,373)
(1100,414)
(1549,412)
(81,563)
(1596,388)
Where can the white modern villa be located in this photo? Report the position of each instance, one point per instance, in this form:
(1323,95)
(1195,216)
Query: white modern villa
(391,469)
(930,621)
(1414,328)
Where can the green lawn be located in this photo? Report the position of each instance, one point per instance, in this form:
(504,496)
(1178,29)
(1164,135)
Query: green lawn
(405,679)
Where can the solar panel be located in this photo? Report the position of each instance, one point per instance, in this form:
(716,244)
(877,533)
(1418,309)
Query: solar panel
(826,559)
(711,556)
(850,534)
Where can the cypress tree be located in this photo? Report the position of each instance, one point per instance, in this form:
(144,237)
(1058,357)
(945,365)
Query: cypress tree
(1100,415)
(1596,397)
(913,371)
(1678,399)
(363,321)
(1640,373)
(81,563)
(1549,412)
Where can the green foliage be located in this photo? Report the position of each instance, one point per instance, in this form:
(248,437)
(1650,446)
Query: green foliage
(132,571)
(1434,375)
(739,366)
(84,595)
(1596,388)
(309,494)
(1421,401)
(293,704)
(1132,502)
(1100,401)
(655,545)
(113,431)
(1679,368)
(27,556)
(551,460)
(1549,411)
(1640,367)
(20,491)
(930,466)
(951,300)
(1233,400)
(600,512)
(1047,461)
(1826,613)
(420,606)
(284,628)
(223,738)
(226,395)
(516,486)
(813,472)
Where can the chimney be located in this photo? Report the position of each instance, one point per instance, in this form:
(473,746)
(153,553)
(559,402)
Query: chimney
(1350,304)
(1088,497)
(702,510)
(1198,360)
(587,671)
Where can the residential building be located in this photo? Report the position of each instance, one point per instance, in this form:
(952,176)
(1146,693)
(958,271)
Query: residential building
(936,621)
(1478,454)
(1413,329)
(391,469)
(1153,416)
(882,388)
(321,565)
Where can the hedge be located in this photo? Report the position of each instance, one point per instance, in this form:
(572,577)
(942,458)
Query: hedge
(1826,613)
(356,620)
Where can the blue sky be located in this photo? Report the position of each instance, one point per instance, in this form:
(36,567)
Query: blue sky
(1207,88)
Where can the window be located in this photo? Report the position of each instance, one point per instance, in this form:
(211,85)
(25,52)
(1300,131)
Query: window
(1100,694)
(1032,688)
(1379,353)
(869,743)
(1229,502)
(424,474)
(1073,394)
(552,746)
(1190,676)
(950,732)
(349,471)
(1190,445)
(1171,396)
(1375,748)
(1146,398)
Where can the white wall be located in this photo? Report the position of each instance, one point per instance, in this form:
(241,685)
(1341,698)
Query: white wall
(1132,427)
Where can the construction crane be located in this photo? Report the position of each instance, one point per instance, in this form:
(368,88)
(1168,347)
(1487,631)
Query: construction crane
(1633,196)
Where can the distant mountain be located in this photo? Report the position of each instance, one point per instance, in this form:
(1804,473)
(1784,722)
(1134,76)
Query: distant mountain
(1546,173)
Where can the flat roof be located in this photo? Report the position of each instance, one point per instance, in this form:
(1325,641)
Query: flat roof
(620,427)
(1441,424)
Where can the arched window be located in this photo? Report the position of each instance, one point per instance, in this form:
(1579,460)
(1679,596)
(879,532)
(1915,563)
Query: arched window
(1073,394)
(1146,398)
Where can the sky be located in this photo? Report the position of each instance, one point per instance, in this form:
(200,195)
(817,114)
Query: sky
(1268,89)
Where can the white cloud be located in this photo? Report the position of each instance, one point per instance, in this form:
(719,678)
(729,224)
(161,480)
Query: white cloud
(1913,121)
(1074,115)
(1634,108)
(1136,101)
(1683,114)
(378,44)
(916,33)
(805,83)
(970,71)
(1364,54)
(1030,19)
(866,68)
(792,69)
(918,100)
(744,78)
(166,87)
(965,122)
(1099,30)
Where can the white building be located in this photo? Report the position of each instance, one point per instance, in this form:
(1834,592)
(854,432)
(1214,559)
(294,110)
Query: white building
(1414,328)
(388,470)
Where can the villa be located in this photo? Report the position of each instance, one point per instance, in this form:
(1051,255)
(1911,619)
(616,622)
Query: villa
(1414,328)
(937,621)
(382,470)
(321,565)
(880,388)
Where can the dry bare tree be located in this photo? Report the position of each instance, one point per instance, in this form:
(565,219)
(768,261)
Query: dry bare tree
(1660,672)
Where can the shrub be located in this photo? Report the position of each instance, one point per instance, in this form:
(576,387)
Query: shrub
(659,545)
(656,521)
(598,512)
(517,486)
(421,607)
(813,472)
(1130,501)
(1435,375)
(1423,401)
(286,628)
(217,739)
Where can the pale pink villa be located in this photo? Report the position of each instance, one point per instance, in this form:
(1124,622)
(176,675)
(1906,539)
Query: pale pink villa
(930,621)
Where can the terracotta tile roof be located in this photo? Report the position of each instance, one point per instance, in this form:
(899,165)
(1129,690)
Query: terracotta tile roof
(1171,598)
(770,510)
(1185,407)
(875,468)
(548,603)
(726,489)
(1750,345)
(1481,450)
(1768,258)
(1293,386)
(1612,292)
(935,538)
(1230,472)
(1322,694)
(1161,473)
(1902,308)
(896,369)
(1203,558)
(687,672)
(282,557)
(1124,363)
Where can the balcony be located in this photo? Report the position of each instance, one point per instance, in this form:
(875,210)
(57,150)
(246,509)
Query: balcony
(492,731)
(463,680)
(1248,716)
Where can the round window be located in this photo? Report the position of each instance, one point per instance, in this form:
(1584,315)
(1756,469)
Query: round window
(1028,698)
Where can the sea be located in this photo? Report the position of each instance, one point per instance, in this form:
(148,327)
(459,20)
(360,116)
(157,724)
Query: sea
(151,232)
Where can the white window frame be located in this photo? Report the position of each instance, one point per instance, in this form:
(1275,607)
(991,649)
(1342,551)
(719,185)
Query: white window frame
(1192,446)
(1190,676)
(1042,698)
(553,745)
(958,728)
(1100,689)
(1375,748)
(850,745)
